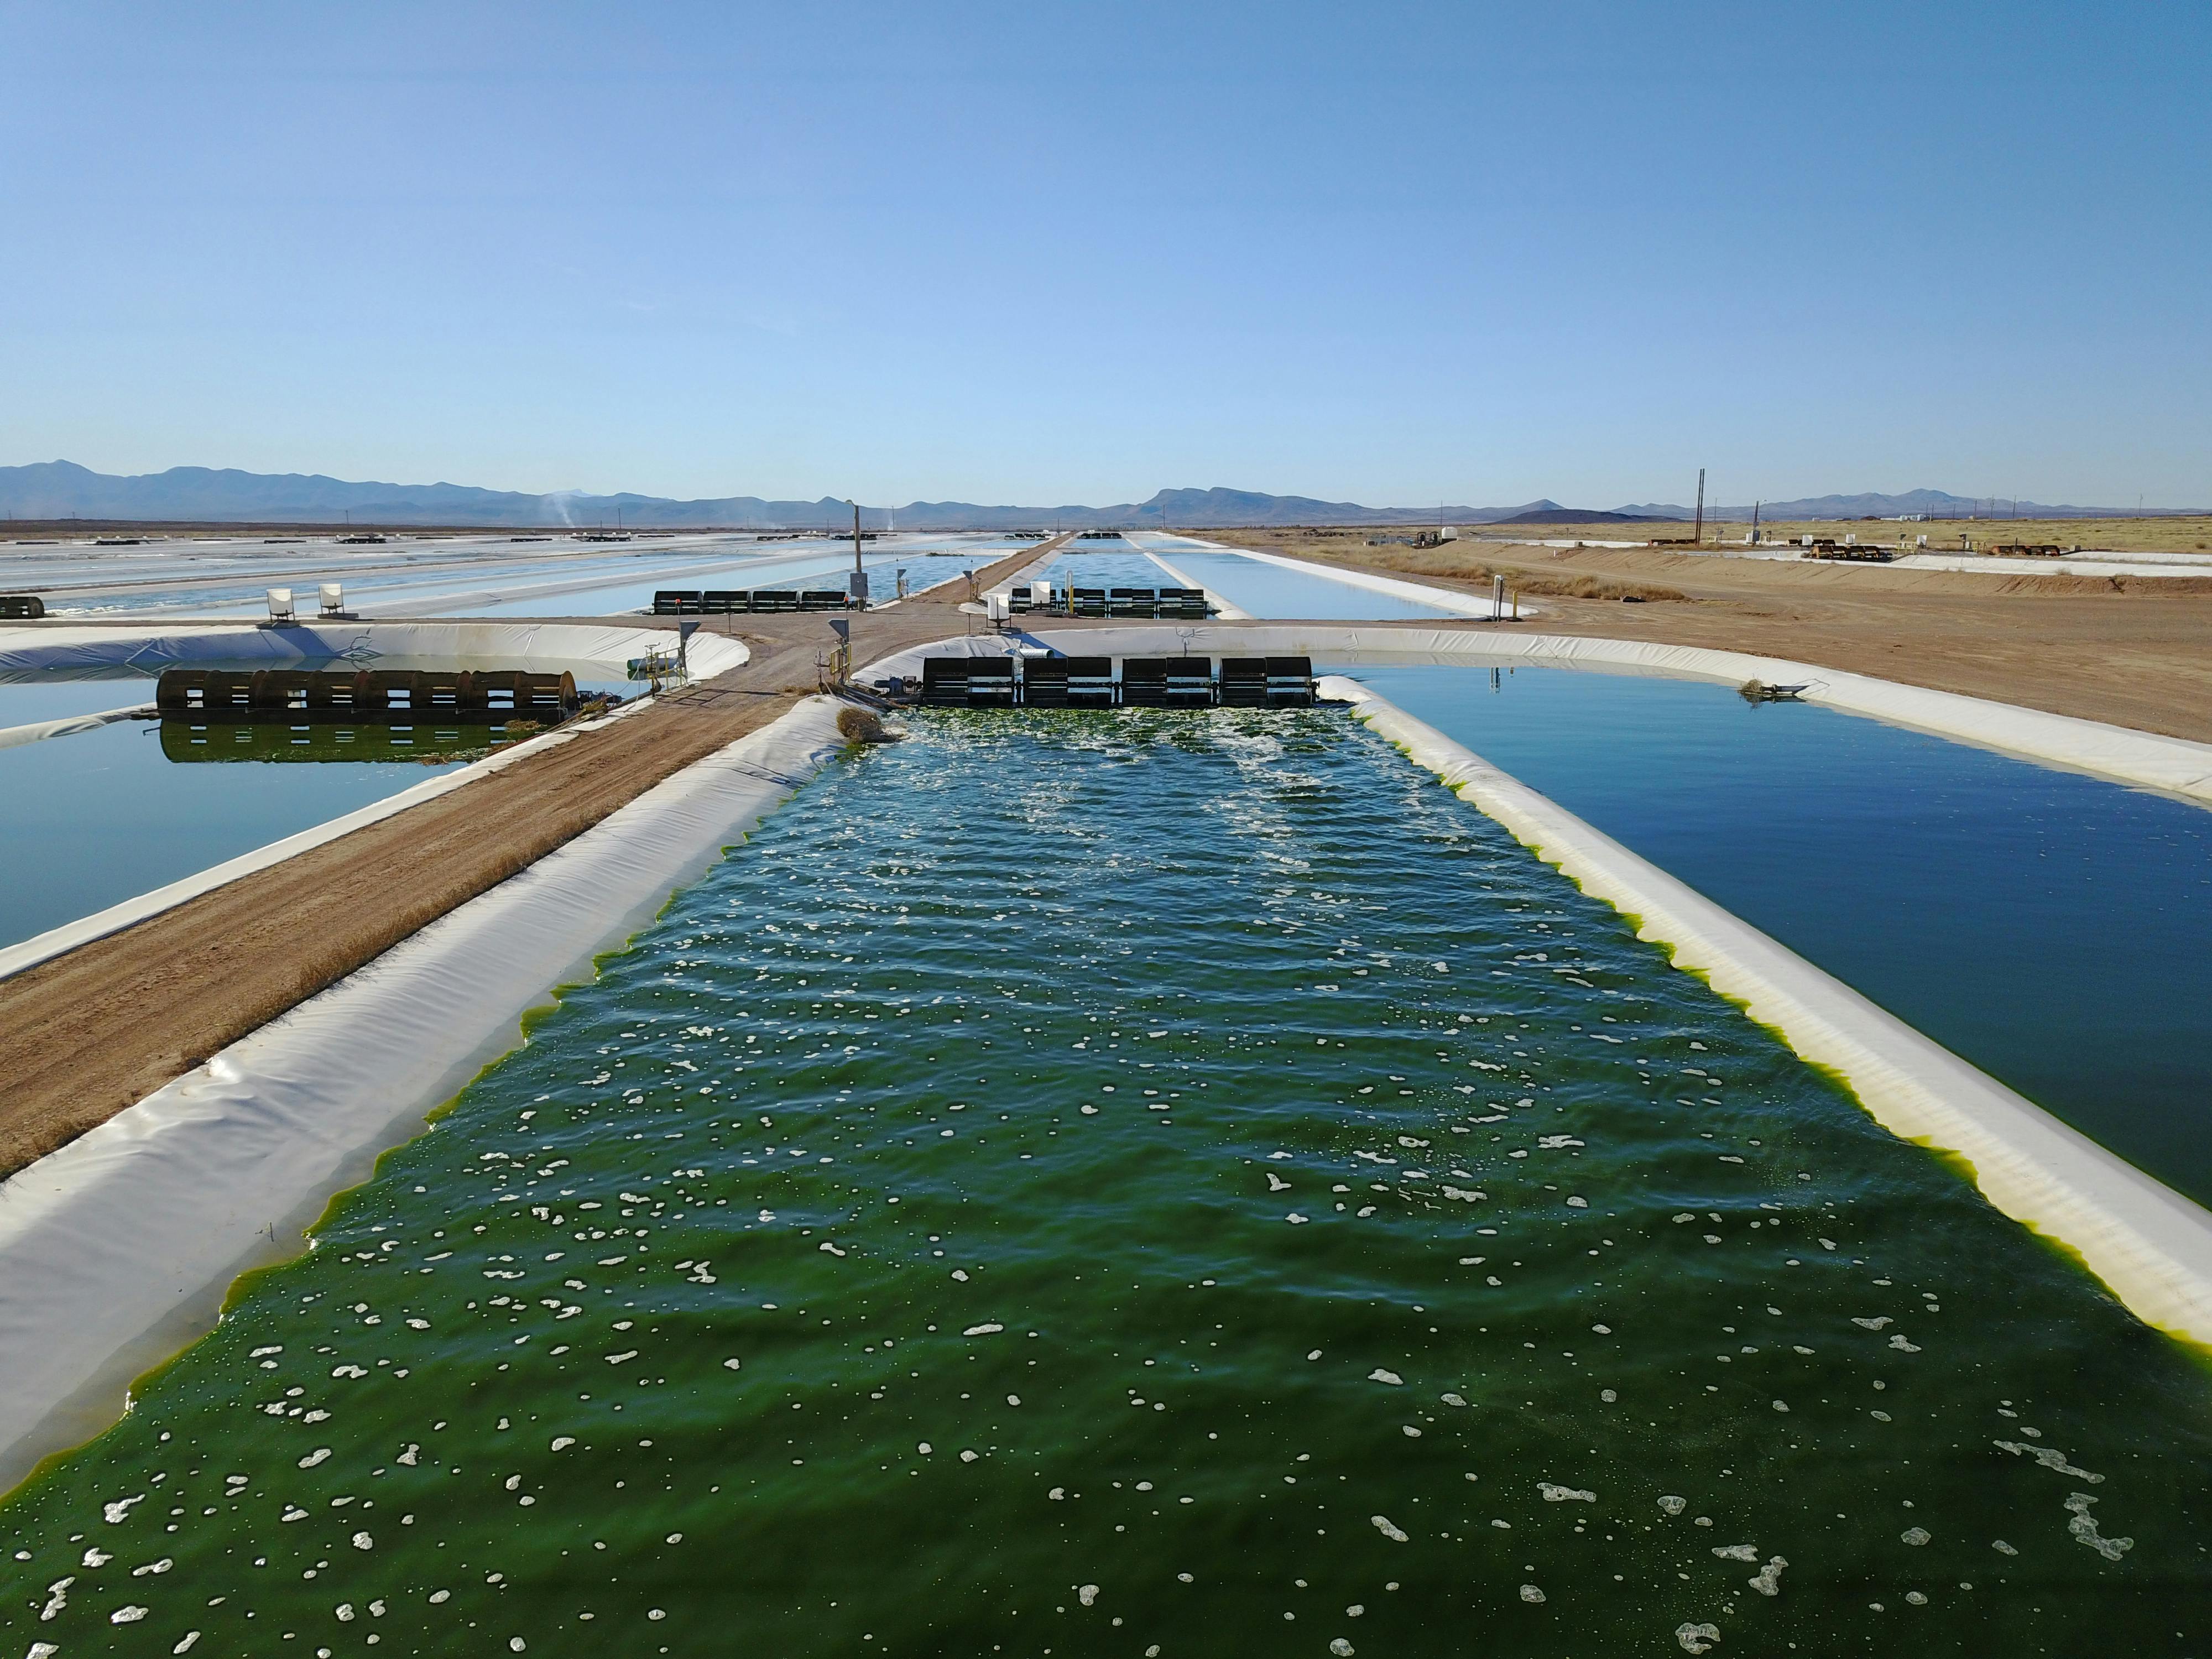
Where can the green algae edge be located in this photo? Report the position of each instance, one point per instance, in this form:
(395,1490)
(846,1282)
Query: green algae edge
(527,1025)
(248,1281)
(1949,1157)
(2199,1349)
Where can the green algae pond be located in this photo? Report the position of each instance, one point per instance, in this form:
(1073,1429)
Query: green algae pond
(1144,1184)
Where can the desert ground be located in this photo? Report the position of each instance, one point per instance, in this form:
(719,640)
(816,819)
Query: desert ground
(2133,651)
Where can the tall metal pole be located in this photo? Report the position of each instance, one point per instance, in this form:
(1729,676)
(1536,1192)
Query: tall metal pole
(1699,536)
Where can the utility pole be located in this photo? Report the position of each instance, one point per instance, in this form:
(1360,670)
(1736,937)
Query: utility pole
(1699,536)
(860,576)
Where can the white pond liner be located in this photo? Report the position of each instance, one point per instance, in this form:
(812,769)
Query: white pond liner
(117,1249)
(516,644)
(2149,1245)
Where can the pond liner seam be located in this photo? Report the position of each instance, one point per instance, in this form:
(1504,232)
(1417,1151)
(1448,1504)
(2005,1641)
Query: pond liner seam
(2150,1246)
(116,1249)
(55,941)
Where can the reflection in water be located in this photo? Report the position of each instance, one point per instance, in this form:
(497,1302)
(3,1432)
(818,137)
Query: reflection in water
(188,742)
(99,817)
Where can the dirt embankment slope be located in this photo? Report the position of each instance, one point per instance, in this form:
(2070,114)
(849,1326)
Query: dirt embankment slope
(2137,655)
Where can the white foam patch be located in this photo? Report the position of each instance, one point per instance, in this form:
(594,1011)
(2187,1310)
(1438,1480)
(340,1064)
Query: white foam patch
(2083,1528)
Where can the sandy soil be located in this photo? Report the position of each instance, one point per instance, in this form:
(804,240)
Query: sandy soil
(2137,654)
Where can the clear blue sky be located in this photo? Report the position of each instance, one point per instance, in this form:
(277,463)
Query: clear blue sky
(1048,253)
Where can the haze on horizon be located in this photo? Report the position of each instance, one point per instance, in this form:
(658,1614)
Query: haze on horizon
(1394,254)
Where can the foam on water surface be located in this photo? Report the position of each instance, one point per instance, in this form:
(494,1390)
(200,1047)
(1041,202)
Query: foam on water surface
(575,1372)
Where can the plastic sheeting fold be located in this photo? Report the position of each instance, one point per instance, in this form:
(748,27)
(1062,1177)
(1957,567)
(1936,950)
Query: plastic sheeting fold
(2152,1247)
(546,647)
(14,737)
(116,1249)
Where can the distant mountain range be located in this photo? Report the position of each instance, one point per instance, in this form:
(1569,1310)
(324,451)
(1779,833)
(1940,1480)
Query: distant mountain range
(62,489)
(1936,503)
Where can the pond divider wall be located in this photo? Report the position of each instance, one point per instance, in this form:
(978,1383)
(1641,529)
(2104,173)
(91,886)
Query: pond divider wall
(405,639)
(116,1249)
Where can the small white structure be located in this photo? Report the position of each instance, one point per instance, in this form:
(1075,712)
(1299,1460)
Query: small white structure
(281,609)
(333,598)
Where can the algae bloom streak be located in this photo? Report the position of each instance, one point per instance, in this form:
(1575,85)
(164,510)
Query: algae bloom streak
(1134,1185)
